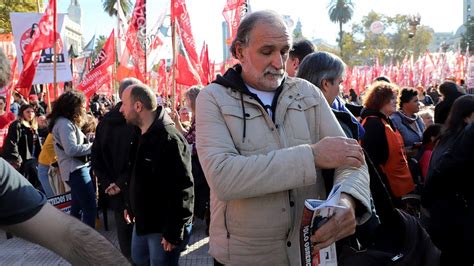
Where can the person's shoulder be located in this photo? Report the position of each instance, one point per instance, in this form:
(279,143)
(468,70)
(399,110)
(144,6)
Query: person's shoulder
(396,118)
(303,87)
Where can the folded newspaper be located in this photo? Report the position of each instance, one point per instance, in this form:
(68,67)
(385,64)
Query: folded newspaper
(315,214)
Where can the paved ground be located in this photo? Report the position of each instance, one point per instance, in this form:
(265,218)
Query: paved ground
(16,251)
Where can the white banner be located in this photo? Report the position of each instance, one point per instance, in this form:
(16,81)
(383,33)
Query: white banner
(24,26)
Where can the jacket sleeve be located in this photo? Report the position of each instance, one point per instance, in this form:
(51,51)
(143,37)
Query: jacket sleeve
(10,148)
(234,176)
(354,181)
(68,140)
(181,189)
(97,161)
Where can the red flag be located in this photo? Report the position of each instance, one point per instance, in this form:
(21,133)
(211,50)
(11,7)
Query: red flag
(233,12)
(184,72)
(136,41)
(205,65)
(179,13)
(99,73)
(42,37)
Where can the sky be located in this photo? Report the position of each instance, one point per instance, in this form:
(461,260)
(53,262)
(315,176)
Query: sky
(206,16)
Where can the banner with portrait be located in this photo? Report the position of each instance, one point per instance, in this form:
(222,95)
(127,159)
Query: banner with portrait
(24,26)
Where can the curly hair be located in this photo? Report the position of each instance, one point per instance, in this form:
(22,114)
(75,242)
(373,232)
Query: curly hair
(68,105)
(406,95)
(379,94)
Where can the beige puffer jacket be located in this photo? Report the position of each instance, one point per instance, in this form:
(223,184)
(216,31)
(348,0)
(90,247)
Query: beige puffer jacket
(259,184)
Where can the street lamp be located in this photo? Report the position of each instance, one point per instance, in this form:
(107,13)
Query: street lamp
(413,21)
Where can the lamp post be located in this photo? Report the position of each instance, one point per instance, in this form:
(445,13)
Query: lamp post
(413,21)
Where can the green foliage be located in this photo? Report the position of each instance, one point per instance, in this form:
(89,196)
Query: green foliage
(340,11)
(8,6)
(109,7)
(100,42)
(362,46)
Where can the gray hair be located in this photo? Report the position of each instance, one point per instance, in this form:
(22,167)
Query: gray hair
(249,22)
(192,94)
(4,69)
(125,83)
(320,66)
(142,93)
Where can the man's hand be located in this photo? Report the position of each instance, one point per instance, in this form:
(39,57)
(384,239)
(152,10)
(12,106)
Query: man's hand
(333,152)
(340,225)
(112,190)
(167,246)
(127,217)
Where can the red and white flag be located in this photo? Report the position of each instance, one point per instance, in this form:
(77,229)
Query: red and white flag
(233,12)
(43,36)
(180,15)
(136,40)
(100,72)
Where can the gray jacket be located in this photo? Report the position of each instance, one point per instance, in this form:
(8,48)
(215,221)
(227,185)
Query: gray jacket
(71,139)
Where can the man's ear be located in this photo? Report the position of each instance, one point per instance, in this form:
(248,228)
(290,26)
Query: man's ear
(137,106)
(296,63)
(238,50)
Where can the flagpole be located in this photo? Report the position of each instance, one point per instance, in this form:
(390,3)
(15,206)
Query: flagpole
(173,73)
(145,46)
(47,87)
(55,51)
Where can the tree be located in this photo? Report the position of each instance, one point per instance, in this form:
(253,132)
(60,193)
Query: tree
(8,6)
(363,47)
(340,11)
(100,42)
(109,7)
(468,37)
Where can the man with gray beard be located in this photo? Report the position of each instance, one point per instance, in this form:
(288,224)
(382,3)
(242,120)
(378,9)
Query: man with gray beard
(263,138)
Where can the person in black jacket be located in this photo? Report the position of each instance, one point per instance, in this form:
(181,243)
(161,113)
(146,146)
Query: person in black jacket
(109,162)
(161,191)
(449,91)
(22,146)
(448,193)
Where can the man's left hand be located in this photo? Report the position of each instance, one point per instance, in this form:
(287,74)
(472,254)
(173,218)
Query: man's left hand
(340,225)
(167,246)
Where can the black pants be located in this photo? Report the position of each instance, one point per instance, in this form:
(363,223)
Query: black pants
(124,230)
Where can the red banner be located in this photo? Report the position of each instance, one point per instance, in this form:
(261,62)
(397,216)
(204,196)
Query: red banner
(179,14)
(100,73)
(233,12)
(136,39)
(43,36)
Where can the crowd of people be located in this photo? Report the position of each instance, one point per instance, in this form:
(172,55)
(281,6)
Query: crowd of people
(245,152)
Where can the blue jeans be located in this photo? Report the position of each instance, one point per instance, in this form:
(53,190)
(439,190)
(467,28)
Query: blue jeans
(147,249)
(83,196)
(44,179)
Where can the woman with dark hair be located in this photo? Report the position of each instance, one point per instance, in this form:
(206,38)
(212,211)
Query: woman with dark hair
(22,146)
(408,122)
(448,193)
(449,91)
(383,141)
(71,147)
